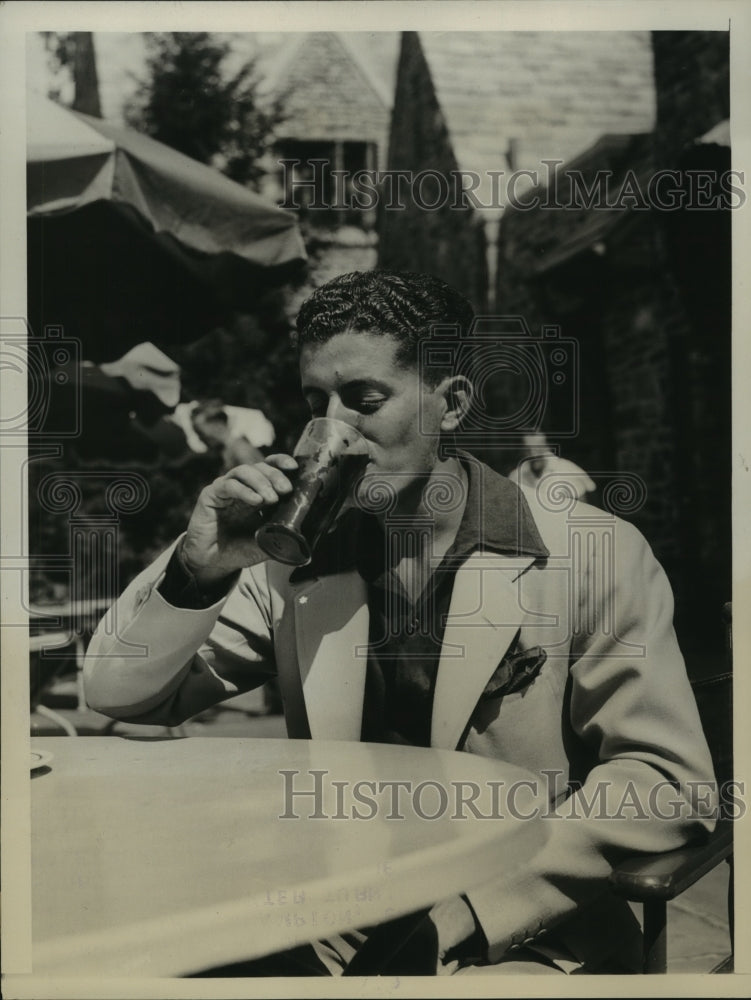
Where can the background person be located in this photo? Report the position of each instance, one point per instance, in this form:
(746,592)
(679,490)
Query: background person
(239,433)
(539,461)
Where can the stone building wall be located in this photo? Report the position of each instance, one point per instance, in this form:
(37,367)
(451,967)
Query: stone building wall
(647,295)
(695,254)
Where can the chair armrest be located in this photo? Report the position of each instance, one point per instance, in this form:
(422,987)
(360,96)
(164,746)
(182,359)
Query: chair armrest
(665,876)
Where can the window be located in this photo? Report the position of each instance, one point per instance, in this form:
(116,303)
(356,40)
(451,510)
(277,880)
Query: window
(317,178)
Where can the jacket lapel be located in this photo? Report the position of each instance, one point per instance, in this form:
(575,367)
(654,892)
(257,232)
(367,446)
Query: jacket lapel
(484,616)
(331,627)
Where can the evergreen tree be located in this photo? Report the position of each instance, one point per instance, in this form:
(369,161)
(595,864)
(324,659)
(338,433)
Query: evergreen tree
(190,101)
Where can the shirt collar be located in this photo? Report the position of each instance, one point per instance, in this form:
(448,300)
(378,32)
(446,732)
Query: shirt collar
(497,516)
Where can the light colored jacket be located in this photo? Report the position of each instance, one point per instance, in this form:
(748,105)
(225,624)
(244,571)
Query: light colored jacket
(611,707)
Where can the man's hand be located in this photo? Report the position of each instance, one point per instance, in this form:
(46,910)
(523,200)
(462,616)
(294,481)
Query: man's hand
(457,933)
(219,540)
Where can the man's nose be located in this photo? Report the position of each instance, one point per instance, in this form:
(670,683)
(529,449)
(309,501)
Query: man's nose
(336,410)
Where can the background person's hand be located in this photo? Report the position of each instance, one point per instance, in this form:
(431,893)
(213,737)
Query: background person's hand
(220,536)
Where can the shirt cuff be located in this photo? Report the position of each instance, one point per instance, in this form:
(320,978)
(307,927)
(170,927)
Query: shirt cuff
(179,586)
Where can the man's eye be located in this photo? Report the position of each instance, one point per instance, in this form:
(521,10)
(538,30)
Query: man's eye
(370,404)
(362,399)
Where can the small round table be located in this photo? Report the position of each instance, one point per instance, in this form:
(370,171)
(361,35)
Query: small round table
(165,857)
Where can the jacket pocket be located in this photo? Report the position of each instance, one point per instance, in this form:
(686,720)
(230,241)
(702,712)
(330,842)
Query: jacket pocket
(517,670)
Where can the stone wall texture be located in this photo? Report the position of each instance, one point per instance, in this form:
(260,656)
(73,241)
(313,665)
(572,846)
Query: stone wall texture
(646,295)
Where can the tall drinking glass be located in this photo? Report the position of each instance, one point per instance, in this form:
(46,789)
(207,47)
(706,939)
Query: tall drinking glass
(331,456)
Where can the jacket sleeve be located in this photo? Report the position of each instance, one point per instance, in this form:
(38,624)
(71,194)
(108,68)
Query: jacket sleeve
(151,662)
(652,786)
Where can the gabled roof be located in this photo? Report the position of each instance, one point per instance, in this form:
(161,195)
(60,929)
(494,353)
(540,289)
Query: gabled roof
(332,91)
(541,239)
(373,53)
(513,99)
(376,53)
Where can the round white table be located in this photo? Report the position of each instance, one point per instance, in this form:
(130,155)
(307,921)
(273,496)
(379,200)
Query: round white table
(166,857)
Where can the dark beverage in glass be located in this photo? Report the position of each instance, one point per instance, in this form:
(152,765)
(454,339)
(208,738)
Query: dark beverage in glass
(331,456)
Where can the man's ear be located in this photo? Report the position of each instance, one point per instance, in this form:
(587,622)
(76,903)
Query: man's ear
(457,391)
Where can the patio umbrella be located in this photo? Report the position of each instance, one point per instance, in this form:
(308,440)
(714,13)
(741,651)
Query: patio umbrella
(130,240)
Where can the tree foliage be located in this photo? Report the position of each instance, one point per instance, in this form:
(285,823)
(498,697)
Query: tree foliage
(71,61)
(189,100)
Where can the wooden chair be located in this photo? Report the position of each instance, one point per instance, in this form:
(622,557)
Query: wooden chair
(653,880)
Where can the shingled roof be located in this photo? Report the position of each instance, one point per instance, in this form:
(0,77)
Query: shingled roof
(514,99)
(548,94)
(539,239)
(332,92)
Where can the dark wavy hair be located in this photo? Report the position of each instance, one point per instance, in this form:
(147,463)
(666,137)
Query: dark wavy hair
(403,304)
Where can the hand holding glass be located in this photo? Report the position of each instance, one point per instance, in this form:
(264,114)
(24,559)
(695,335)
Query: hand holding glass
(331,457)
